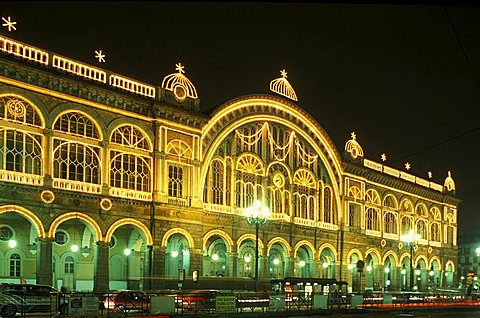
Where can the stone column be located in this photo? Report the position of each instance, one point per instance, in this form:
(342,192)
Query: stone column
(44,261)
(102,277)
(158,267)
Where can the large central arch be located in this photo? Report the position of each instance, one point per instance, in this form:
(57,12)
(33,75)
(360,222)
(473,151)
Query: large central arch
(267,108)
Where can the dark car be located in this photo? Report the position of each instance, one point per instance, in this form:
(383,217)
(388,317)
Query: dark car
(27,298)
(202,299)
(127,300)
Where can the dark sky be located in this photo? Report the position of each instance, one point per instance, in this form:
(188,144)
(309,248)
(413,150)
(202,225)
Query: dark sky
(402,77)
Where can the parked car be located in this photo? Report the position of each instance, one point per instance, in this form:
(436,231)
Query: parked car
(201,299)
(127,300)
(27,298)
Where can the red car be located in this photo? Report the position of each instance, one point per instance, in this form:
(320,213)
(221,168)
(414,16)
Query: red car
(127,300)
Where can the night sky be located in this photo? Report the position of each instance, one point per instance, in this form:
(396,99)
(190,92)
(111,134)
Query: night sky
(402,76)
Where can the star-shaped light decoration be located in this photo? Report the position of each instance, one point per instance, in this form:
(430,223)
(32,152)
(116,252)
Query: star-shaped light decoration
(407,166)
(179,67)
(100,56)
(430,174)
(353,135)
(283,73)
(9,24)
(384,157)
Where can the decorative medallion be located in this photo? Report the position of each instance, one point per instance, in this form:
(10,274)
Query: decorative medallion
(15,107)
(47,196)
(400,245)
(415,248)
(282,86)
(278,179)
(430,249)
(179,84)
(353,147)
(383,243)
(105,204)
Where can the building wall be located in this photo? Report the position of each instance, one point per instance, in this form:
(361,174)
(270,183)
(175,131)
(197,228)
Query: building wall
(147,186)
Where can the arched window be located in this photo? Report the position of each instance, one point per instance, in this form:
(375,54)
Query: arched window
(76,163)
(422,229)
(215,182)
(327,205)
(175,181)
(390,223)
(248,180)
(406,225)
(435,232)
(371,219)
(69,265)
(131,163)
(21,141)
(15,265)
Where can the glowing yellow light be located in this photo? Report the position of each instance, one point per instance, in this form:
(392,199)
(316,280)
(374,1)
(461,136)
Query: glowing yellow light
(9,24)
(179,84)
(407,166)
(100,56)
(449,183)
(384,157)
(325,265)
(353,147)
(283,87)
(430,174)
(179,67)
(47,196)
(106,204)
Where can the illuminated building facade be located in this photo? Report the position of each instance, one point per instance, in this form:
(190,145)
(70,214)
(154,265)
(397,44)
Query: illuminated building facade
(107,182)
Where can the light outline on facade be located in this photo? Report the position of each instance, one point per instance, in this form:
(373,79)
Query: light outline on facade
(178,230)
(129,221)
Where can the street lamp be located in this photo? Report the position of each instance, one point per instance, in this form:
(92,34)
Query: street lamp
(411,239)
(257,214)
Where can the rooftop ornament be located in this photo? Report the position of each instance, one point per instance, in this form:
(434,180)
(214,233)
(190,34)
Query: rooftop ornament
(449,183)
(179,84)
(282,86)
(353,147)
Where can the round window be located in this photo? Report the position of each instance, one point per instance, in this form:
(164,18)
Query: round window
(61,237)
(6,233)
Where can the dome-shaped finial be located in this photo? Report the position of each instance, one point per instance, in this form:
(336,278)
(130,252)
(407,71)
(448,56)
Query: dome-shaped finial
(179,84)
(449,183)
(353,147)
(282,86)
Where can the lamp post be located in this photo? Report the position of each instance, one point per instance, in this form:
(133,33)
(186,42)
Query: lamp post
(257,214)
(411,239)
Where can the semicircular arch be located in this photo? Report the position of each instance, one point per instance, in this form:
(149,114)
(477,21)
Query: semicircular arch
(129,221)
(29,215)
(327,246)
(178,230)
(418,258)
(375,252)
(65,108)
(75,215)
(220,233)
(304,243)
(356,252)
(247,237)
(394,255)
(214,134)
(281,241)
(434,259)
